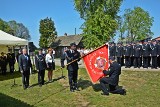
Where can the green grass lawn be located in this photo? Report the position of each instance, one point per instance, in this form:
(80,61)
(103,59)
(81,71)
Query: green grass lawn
(143,90)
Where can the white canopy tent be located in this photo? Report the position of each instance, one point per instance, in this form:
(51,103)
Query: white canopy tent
(8,39)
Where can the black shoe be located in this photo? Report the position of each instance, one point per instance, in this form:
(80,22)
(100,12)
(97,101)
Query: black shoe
(124,92)
(76,89)
(24,87)
(40,85)
(71,90)
(107,94)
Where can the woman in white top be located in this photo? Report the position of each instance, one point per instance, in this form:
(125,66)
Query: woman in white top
(50,64)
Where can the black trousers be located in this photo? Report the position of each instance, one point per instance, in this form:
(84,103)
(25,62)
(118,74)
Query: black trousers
(154,61)
(73,75)
(137,62)
(122,61)
(11,67)
(127,61)
(25,80)
(132,60)
(119,61)
(158,61)
(145,62)
(149,61)
(112,88)
(3,68)
(41,74)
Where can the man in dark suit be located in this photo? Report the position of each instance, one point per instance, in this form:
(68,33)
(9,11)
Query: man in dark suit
(158,59)
(137,55)
(149,57)
(132,53)
(127,55)
(72,68)
(154,54)
(113,79)
(112,49)
(119,53)
(25,66)
(145,54)
(11,61)
(3,63)
(40,66)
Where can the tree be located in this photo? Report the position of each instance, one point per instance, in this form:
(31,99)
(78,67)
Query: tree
(5,27)
(121,28)
(47,31)
(137,24)
(100,20)
(19,30)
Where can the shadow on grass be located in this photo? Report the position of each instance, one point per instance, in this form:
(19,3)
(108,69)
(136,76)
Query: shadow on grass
(9,76)
(83,84)
(7,101)
(62,77)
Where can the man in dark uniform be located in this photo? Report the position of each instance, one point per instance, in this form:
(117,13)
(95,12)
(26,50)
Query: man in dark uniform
(113,79)
(119,53)
(149,57)
(137,55)
(17,58)
(154,54)
(72,68)
(11,61)
(25,66)
(112,49)
(145,54)
(158,58)
(132,53)
(3,63)
(123,50)
(127,55)
(40,66)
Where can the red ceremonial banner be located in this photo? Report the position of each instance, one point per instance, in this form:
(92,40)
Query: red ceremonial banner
(96,61)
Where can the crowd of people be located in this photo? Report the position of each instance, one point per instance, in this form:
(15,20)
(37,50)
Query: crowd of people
(137,54)
(7,59)
(146,54)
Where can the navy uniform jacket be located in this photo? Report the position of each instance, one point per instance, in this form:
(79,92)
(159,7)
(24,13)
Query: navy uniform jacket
(119,51)
(112,50)
(114,72)
(11,58)
(132,50)
(159,49)
(154,50)
(3,60)
(138,51)
(127,51)
(145,50)
(25,64)
(40,62)
(70,57)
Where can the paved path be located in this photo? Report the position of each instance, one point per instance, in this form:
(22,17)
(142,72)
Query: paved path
(81,65)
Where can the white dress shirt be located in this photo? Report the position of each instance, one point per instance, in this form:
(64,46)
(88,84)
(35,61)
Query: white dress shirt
(49,58)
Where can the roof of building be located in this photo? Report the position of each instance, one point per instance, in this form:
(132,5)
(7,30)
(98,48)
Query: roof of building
(157,38)
(32,47)
(67,40)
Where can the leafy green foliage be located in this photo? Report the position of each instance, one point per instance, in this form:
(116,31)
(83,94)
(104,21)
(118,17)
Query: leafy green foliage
(48,32)
(5,27)
(137,23)
(19,30)
(16,29)
(100,20)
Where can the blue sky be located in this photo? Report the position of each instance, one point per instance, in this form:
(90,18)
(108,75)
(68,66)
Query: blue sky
(66,18)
